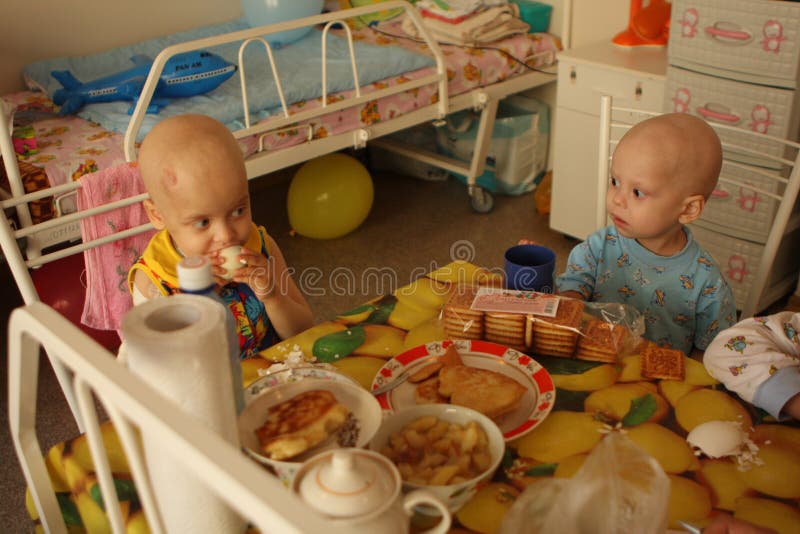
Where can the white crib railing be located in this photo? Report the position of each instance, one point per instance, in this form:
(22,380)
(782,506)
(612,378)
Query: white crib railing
(133,406)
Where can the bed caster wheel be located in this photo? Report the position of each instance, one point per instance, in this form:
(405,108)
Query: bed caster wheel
(481,200)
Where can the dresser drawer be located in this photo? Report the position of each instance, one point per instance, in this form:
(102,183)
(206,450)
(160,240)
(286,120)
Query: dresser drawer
(752,40)
(738,259)
(739,211)
(580,87)
(768,110)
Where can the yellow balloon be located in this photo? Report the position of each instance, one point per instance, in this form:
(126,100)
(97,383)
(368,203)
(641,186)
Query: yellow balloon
(329,196)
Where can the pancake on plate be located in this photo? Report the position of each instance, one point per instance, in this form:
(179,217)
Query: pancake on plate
(300,423)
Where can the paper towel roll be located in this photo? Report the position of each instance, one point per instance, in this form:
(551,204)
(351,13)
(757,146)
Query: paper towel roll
(179,346)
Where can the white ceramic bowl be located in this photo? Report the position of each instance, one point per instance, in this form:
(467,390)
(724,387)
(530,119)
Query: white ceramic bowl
(364,407)
(294,374)
(453,495)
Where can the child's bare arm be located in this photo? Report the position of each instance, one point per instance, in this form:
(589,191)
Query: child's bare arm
(144,289)
(792,407)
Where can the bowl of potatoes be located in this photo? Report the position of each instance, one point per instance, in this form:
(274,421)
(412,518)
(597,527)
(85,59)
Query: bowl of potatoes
(446,449)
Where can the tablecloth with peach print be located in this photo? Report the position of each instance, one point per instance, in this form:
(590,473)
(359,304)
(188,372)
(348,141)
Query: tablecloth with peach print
(592,398)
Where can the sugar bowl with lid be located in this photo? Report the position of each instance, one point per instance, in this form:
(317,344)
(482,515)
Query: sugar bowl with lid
(361,489)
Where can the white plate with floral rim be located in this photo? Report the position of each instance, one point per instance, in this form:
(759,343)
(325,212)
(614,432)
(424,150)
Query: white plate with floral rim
(363,421)
(536,402)
(294,374)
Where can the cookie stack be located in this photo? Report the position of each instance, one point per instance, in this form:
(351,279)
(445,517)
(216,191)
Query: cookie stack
(511,329)
(557,336)
(601,341)
(461,322)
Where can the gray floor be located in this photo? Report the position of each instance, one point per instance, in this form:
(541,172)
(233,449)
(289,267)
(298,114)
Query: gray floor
(414,226)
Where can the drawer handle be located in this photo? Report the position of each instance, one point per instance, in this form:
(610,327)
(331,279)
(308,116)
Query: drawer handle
(728,35)
(710,114)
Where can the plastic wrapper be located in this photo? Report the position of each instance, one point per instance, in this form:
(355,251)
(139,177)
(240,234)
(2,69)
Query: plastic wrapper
(619,488)
(544,324)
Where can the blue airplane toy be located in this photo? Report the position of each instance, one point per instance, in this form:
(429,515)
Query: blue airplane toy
(184,75)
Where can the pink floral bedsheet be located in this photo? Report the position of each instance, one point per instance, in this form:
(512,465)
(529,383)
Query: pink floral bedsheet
(66,147)
(467,69)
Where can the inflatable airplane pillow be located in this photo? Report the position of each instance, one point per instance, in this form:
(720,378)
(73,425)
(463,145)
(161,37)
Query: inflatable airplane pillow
(184,75)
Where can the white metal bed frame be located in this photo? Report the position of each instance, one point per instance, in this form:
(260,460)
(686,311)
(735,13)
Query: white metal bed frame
(614,121)
(132,405)
(484,99)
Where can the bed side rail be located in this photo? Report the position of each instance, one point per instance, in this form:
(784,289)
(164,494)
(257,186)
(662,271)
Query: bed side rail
(134,407)
(328,20)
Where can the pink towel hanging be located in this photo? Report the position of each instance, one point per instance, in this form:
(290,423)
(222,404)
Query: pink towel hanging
(107,295)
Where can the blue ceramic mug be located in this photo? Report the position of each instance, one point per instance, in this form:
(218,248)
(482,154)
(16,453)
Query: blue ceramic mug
(530,268)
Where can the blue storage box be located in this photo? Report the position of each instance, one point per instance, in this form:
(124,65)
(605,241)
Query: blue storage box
(536,14)
(517,157)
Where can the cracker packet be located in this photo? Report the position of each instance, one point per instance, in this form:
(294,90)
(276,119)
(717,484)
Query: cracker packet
(542,323)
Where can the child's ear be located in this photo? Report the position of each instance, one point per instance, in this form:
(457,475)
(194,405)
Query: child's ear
(153,214)
(692,209)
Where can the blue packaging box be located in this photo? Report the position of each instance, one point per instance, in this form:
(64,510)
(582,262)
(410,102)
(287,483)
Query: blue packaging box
(536,14)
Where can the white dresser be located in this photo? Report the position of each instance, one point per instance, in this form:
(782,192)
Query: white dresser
(737,62)
(635,78)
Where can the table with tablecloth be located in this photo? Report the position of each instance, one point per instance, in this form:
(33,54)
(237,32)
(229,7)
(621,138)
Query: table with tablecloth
(592,399)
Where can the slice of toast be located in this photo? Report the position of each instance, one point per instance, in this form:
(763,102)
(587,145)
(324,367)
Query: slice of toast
(299,423)
(493,394)
(427,392)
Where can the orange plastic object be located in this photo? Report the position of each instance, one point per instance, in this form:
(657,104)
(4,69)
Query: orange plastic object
(647,25)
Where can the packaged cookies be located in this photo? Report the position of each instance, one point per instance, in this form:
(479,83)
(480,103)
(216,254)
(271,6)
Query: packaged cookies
(543,324)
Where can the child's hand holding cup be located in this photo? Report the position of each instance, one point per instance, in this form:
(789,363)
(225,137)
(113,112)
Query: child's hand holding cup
(231,261)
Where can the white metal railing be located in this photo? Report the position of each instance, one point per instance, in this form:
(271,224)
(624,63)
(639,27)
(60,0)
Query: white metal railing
(439,77)
(133,406)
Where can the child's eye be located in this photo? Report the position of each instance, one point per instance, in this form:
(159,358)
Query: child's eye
(614,182)
(238,212)
(200,224)
(638,193)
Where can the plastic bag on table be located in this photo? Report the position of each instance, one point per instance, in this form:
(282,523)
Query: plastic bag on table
(619,488)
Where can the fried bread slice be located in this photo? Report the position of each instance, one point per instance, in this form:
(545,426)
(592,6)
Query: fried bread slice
(299,423)
(427,392)
(493,394)
(425,372)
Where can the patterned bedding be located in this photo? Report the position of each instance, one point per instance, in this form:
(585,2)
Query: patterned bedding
(69,147)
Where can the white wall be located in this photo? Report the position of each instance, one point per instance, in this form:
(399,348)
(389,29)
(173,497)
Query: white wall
(592,21)
(40,29)
(598,20)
